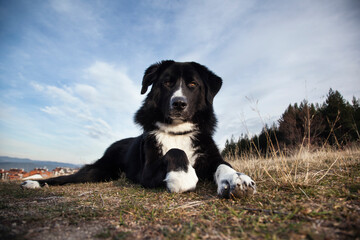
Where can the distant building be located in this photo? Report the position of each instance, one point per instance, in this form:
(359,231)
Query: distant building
(3,174)
(61,171)
(37,173)
(14,174)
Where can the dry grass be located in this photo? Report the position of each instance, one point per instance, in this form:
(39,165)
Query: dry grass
(302,168)
(307,196)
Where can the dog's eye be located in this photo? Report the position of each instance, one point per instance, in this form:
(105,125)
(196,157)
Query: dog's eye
(192,84)
(168,83)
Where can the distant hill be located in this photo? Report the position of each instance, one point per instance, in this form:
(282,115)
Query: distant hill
(28,164)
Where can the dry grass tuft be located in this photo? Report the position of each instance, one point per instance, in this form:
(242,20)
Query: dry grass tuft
(303,168)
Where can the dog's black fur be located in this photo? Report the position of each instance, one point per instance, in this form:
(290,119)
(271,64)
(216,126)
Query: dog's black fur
(141,158)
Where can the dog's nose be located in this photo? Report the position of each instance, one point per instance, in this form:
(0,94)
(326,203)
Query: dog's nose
(179,103)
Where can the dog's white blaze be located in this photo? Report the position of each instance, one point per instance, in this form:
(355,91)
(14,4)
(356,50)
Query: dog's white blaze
(181,181)
(178,92)
(165,136)
(30,184)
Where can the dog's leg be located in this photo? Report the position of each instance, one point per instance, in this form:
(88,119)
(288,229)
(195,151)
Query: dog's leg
(154,173)
(181,176)
(173,171)
(85,174)
(89,173)
(105,169)
(232,184)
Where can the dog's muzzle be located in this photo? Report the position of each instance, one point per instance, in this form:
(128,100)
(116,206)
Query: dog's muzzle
(178,107)
(178,104)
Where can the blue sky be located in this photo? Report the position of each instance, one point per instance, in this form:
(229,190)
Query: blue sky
(71,71)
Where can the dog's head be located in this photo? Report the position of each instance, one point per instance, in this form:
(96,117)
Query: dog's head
(180,90)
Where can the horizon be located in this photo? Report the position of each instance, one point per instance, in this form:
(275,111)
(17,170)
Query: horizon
(25,158)
(29,165)
(71,71)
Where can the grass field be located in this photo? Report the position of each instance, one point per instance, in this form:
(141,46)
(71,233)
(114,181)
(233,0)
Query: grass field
(306,196)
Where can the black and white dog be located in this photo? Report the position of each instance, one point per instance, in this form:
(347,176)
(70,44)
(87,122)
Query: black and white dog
(176,148)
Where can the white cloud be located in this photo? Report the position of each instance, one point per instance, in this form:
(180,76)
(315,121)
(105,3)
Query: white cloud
(99,129)
(37,86)
(52,110)
(80,118)
(94,103)
(118,91)
(86,92)
(64,94)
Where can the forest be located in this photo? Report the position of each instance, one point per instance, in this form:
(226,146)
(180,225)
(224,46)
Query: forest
(334,123)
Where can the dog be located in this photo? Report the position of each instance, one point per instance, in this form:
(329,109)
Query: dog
(176,148)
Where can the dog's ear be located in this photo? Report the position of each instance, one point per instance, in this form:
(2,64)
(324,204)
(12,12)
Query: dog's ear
(211,80)
(152,73)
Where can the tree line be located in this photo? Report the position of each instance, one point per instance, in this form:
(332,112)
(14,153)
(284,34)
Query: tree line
(336,122)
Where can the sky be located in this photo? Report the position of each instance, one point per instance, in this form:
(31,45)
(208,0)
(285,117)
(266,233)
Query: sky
(71,70)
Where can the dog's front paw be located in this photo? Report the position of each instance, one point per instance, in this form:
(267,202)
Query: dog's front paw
(232,184)
(181,181)
(30,184)
(236,185)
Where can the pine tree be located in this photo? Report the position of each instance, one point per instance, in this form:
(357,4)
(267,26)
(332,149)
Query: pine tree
(290,133)
(356,118)
(338,125)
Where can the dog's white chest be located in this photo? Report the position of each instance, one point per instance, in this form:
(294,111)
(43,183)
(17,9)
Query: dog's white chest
(184,142)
